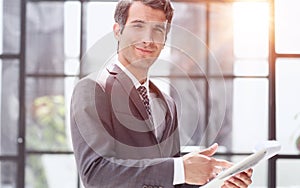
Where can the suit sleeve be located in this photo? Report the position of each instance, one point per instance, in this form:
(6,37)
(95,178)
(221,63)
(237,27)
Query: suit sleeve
(94,148)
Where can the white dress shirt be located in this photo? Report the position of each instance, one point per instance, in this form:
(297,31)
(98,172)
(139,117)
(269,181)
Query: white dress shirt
(157,114)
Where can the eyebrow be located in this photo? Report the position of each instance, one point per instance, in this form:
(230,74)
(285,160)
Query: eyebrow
(137,21)
(159,25)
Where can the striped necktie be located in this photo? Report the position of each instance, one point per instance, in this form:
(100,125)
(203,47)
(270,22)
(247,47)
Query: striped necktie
(143,92)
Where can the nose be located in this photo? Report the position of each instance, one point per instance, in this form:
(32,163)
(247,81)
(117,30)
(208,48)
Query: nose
(148,37)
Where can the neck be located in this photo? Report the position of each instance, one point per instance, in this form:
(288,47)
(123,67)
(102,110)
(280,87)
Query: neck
(139,72)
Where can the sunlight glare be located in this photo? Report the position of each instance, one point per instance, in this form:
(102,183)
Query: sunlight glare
(251,29)
(287,38)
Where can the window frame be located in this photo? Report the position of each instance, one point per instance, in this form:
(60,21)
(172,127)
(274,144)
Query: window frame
(20,158)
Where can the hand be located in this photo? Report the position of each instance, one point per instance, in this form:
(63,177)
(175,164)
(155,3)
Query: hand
(240,180)
(200,167)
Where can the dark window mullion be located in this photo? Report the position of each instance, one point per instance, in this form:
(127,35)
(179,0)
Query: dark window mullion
(81,48)
(50,75)
(22,110)
(9,158)
(83,23)
(207,42)
(287,55)
(272,95)
(9,56)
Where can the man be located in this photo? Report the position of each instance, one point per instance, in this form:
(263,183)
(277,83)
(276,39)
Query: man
(122,138)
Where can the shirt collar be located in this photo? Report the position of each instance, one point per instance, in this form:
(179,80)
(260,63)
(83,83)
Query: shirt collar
(135,81)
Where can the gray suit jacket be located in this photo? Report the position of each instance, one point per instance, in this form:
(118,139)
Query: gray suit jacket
(113,139)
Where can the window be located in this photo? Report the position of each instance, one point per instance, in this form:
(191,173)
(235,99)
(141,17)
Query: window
(234,64)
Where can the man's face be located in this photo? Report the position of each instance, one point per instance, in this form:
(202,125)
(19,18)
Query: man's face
(143,36)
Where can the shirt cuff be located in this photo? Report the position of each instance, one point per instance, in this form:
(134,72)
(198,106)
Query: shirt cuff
(178,171)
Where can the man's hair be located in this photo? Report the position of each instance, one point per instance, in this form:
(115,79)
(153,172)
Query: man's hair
(122,9)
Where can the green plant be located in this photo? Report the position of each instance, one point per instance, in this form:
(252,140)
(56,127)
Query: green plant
(48,127)
(46,130)
(297,140)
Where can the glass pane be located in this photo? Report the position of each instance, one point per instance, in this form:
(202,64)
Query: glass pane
(10,26)
(51,171)
(251,68)
(287,29)
(9,116)
(72,29)
(288,104)
(186,40)
(8,174)
(45,37)
(250,113)
(251,30)
(220,113)
(100,21)
(288,173)
(47,113)
(69,86)
(221,38)
(72,67)
(100,44)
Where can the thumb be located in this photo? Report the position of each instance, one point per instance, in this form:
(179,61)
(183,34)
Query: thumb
(210,150)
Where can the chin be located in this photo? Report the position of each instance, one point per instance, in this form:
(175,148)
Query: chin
(147,59)
(144,62)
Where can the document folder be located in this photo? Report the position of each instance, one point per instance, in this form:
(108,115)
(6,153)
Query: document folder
(263,151)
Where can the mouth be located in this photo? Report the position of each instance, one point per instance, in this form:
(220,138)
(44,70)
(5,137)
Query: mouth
(144,51)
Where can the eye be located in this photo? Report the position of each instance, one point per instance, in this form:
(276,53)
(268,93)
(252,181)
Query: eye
(159,30)
(138,25)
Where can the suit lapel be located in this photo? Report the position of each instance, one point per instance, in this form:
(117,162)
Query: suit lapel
(124,82)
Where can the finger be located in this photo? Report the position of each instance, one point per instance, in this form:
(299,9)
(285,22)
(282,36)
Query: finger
(249,172)
(210,151)
(237,182)
(243,176)
(228,184)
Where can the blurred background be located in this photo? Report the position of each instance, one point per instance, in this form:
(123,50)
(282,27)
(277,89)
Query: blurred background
(256,43)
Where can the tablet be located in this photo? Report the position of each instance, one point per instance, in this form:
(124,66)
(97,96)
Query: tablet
(263,151)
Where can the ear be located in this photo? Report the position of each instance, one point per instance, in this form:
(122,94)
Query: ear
(117,30)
